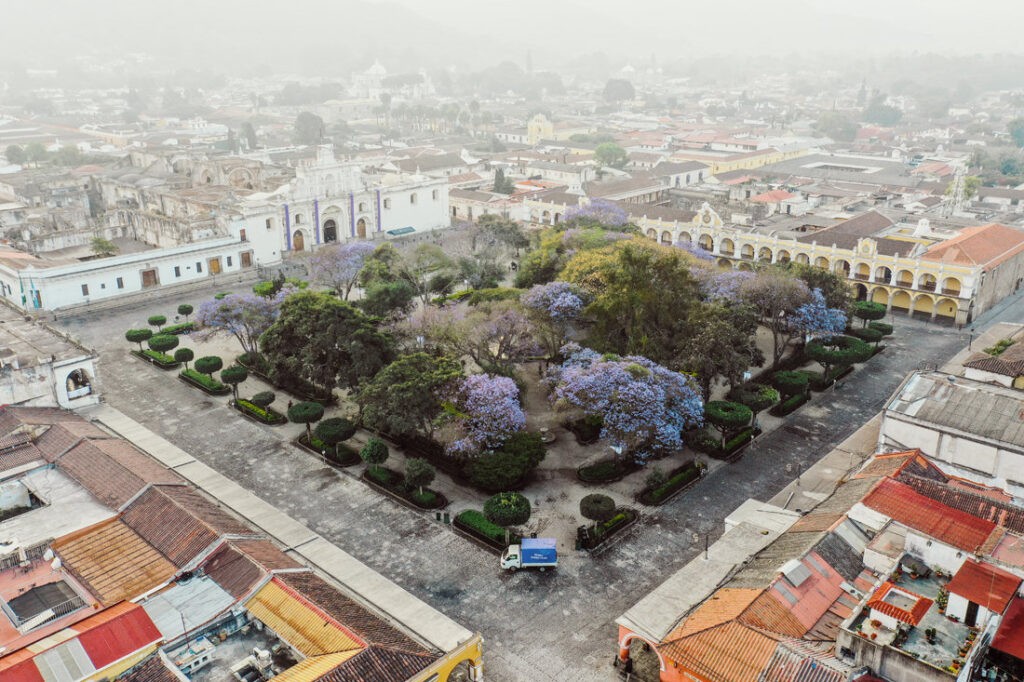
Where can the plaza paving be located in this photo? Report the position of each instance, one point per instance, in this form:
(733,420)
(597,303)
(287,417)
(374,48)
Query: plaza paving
(557,626)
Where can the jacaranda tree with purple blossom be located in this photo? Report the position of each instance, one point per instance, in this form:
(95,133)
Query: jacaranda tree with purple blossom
(724,286)
(484,411)
(337,267)
(599,213)
(244,316)
(644,406)
(553,307)
(815,318)
(695,250)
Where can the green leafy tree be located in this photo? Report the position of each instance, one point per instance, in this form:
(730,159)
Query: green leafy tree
(163,343)
(837,126)
(502,185)
(208,364)
(834,286)
(880,113)
(248,133)
(138,336)
(184,356)
(495,229)
(308,129)
(16,155)
(618,89)
(36,153)
(724,345)
(643,298)
(382,299)
(507,509)
(374,453)
(103,248)
(185,309)
(325,341)
(790,382)
(418,473)
(755,396)
(233,376)
(305,413)
(157,321)
(407,395)
(611,154)
(1015,128)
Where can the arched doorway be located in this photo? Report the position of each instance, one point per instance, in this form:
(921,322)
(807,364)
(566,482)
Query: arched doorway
(652,233)
(863,272)
(862,292)
(821,262)
(726,247)
(924,306)
(880,295)
(78,384)
(724,263)
(684,238)
(883,274)
(330,231)
(901,301)
(803,259)
(946,308)
(951,286)
(666,237)
(783,256)
(747,252)
(361,228)
(298,241)
(639,659)
(706,242)
(841,267)
(765,254)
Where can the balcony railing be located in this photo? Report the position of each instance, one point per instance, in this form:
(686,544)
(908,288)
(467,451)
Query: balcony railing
(863,278)
(927,286)
(726,253)
(951,292)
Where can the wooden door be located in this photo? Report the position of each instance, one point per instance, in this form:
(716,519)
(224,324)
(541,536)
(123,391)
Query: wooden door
(298,242)
(149,278)
(214,264)
(246,257)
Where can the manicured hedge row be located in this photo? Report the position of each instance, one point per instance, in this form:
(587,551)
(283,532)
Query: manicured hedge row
(346,455)
(394,483)
(260,414)
(161,360)
(476,524)
(605,471)
(203,382)
(183,328)
(788,405)
(678,479)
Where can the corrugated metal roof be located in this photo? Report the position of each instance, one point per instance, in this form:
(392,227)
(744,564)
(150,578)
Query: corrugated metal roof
(196,602)
(113,561)
(306,628)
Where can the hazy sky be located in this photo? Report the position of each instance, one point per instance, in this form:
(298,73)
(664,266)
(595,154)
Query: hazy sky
(330,36)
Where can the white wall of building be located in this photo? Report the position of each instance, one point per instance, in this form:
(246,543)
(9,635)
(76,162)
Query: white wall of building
(935,554)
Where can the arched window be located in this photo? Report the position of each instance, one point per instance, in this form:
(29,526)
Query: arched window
(362,206)
(298,218)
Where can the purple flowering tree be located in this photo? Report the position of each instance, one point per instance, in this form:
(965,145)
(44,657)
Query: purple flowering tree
(724,286)
(597,213)
(244,316)
(643,405)
(553,307)
(484,411)
(695,250)
(815,318)
(337,267)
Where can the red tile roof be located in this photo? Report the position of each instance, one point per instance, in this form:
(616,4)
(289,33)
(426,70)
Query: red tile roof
(984,584)
(1010,636)
(905,505)
(773,196)
(913,616)
(985,245)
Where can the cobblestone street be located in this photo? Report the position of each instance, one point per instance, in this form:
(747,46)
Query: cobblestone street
(550,626)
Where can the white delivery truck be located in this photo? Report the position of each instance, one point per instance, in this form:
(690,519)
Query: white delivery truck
(531,553)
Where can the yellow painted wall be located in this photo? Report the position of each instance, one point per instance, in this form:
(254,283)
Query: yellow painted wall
(471,650)
(118,667)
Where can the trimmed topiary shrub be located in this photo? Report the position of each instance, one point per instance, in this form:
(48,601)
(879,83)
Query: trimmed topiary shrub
(790,382)
(162,343)
(184,355)
(374,453)
(837,351)
(507,509)
(867,334)
(418,473)
(138,336)
(754,396)
(727,416)
(304,413)
(263,399)
(208,364)
(597,507)
(234,375)
(868,311)
(883,327)
(185,310)
(334,430)
(157,321)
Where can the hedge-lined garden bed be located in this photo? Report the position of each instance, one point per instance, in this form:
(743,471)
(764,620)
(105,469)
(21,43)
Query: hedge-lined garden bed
(599,534)
(475,525)
(392,483)
(259,414)
(161,360)
(733,450)
(677,480)
(606,471)
(343,456)
(303,390)
(182,328)
(789,405)
(203,382)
